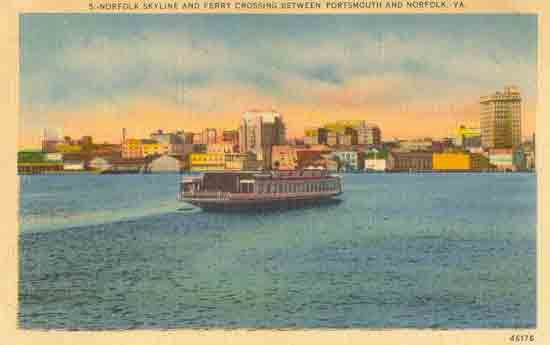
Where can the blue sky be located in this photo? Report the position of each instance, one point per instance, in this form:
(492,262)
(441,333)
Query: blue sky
(415,75)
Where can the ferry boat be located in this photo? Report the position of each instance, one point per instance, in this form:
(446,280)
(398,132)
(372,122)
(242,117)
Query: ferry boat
(260,190)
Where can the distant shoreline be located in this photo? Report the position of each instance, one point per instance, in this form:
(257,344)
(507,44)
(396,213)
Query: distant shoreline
(88,172)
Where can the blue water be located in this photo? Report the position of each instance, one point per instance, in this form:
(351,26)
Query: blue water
(401,250)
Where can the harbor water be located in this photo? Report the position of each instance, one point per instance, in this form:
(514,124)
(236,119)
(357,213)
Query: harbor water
(101,252)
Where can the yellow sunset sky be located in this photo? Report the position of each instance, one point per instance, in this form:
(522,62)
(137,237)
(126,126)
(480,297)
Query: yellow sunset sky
(413,75)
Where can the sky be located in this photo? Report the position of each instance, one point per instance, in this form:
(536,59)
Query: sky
(414,75)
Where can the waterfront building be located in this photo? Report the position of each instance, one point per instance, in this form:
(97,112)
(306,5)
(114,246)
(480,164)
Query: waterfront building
(349,160)
(530,160)
(349,139)
(352,132)
(214,161)
(333,139)
(187,137)
(501,119)
(479,162)
(77,156)
(369,134)
(332,165)
(49,145)
(478,150)
(30,155)
(295,141)
(209,136)
(86,142)
(73,165)
(375,164)
(443,145)
(375,160)
(315,136)
(341,126)
(118,165)
(152,147)
(130,165)
(221,148)
(310,156)
(528,152)
(172,143)
(519,159)
(423,144)
(502,159)
(239,161)
(409,161)
(230,136)
(131,148)
(106,150)
(259,131)
(39,167)
(451,161)
(67,147)
(467,137)
(286,157)
(53,157)
(198,139)
(99,163)
(165,163)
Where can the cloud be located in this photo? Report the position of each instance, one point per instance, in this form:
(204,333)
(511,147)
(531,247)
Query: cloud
(163,77)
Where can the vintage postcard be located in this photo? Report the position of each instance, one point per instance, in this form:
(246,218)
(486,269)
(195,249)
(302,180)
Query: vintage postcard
(250,169)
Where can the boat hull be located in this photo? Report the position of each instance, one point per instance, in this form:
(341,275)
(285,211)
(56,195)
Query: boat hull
(231,205)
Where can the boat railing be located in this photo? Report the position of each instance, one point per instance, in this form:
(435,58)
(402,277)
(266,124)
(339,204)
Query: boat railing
(210,195)
(234,196)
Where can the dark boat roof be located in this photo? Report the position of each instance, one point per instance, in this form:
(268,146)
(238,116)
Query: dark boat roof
(277,174)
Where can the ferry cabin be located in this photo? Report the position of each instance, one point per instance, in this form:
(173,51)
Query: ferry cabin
(264,183)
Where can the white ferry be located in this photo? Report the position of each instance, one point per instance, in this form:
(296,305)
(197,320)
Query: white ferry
(259,190)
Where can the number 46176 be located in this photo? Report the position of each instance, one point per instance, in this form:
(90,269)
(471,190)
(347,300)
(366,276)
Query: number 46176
(522,337)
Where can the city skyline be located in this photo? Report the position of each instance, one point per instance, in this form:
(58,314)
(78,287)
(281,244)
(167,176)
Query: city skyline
(414,75)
